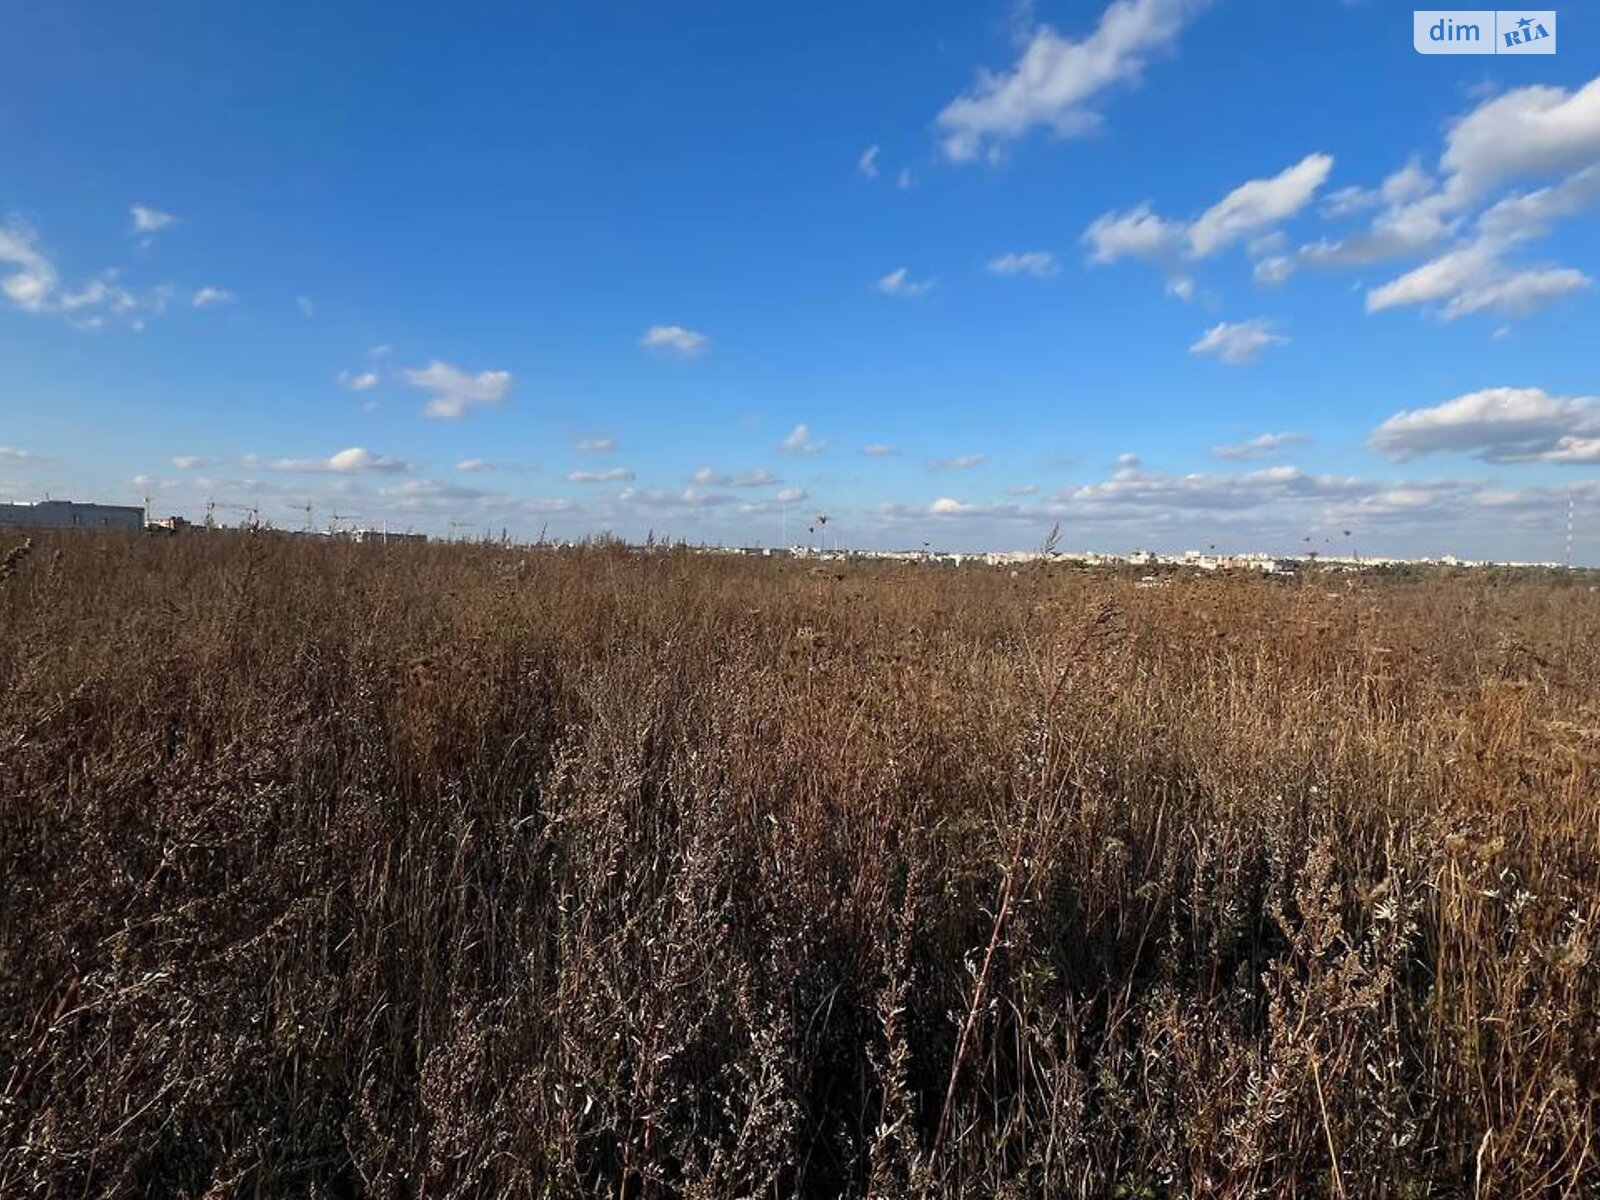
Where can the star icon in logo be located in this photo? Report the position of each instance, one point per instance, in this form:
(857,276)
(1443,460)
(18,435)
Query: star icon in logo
(1524,23)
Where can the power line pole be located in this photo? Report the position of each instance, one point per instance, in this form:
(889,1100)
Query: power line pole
(1569,531)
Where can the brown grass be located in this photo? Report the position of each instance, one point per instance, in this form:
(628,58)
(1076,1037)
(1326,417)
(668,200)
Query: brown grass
(330,870)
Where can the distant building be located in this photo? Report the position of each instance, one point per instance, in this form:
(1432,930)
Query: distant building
(169,526)
(384,536)
(67,514)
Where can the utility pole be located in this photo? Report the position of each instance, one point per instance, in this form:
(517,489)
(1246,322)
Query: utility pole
(1569,531)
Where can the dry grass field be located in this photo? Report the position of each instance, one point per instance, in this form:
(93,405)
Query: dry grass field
(446,871)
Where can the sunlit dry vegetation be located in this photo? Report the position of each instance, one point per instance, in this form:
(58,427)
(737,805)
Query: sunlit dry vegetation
(452,871)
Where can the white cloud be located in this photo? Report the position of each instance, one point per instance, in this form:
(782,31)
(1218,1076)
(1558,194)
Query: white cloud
(1410,182)
(1138,489)
(1040,263)
(34,285)
(1538,130)
(1474,278)
(1239,342)
(358,381)
(1258,447)
(675,338)
(949,506)
(474,466)
(1274,269)
(1139,233)
(688,500)
(455,391)
(597,445)
(354,461)
(30,285)
(867,164)
(1258,204)
(307,306)
(1518,293)
(898,283)
(1500,424)
(379,351)
(191,462)
(759,477)
(880,450)
(1526,132)
(150,220)
(209,297)
(800,441)
(905,181)
(961,462)
(9,454)
(1054,81)
(1251,212)
(1523,216)
(1437,279)
(614,475)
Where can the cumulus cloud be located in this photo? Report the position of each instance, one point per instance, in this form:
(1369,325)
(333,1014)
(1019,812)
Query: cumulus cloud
(1250,213)
(800,441)
(1530,132)
(685,343)
(1474,278)
(1056,79)
(354,461)
(1537,130)
(191,462)
(29,280)
(210,297)
(1500,424)
(597,445)
(474,466)
(1239,342)
(1518,293)
(1040,263)
(613,475)
(1139,233)
(1258,447)
(456,392)
(150,220)
(899,283)
(949,506)
(1257,205)
(32,278)
(358,381)
(880,450)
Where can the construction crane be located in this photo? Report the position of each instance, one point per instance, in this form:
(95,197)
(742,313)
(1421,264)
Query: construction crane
(309,509)
(252,511)
(455,525)
(335,517)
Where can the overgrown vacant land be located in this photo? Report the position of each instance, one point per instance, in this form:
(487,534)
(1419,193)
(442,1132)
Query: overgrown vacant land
(447,871)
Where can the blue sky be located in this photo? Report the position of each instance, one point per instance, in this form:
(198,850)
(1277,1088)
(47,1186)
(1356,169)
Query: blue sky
(1171,273)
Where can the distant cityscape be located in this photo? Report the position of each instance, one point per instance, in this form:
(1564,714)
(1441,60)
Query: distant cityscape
(131,519)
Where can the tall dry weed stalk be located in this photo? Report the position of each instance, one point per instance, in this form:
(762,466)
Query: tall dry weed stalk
(330,870)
